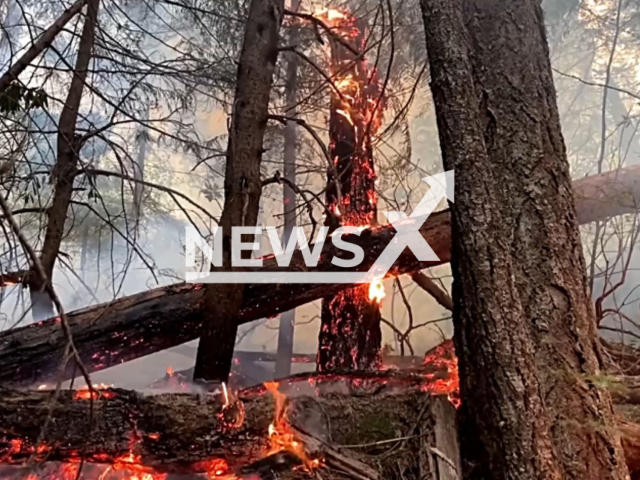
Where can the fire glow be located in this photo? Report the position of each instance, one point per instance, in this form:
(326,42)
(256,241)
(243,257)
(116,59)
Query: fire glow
(231,416)
(441,358)
(356,116)
(281,435)
(376,291)
(96,391)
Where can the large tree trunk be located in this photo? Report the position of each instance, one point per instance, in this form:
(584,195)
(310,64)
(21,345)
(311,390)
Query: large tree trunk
(142,324)
(242,183)
(192,433)
(350,335)
(65,167)
(525,331)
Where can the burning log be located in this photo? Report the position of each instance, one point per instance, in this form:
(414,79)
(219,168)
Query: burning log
(373,434)
(377,422)
(142,324)
(135,326)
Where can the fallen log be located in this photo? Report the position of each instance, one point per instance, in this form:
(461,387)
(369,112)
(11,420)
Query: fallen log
(384,421)
(399,435)
(142,324)
(135,326)
(391,435)
(607,195)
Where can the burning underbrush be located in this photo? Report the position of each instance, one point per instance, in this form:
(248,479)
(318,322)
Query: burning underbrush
(328,422)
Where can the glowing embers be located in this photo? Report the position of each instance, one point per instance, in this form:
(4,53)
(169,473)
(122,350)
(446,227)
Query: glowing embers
(97,391)
(231,416)
(129,466)
(443,362)
(217,468)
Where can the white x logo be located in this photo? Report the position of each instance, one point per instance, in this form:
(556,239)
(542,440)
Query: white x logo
(408,228)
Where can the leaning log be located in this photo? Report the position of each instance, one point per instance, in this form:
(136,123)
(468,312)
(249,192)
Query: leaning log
(409,435)
(142,324)
(135,326)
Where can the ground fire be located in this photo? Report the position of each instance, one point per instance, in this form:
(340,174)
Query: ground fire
(279,436)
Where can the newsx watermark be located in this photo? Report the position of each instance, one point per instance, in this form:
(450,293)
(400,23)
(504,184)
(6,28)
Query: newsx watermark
(407,236)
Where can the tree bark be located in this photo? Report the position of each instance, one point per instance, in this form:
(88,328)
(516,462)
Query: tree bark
(186,433)
(149,322)
(242,183)
(350,334)
(524,327)
(66,164)
(287,319)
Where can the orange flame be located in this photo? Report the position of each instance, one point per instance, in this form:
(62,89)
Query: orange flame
(376,291)
(282,436)
(441,358)
(330,14)
(84,393)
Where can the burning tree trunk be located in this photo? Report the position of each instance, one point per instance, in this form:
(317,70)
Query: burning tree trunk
(242,183)
(194,433)
(350,335)
(524,326)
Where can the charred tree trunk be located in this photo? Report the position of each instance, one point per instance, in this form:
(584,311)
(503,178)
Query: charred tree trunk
(287,319)
(242,184)
(65,167)
(525,331)
(350,335)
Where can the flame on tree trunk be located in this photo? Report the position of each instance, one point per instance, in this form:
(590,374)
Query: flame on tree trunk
(350,335)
